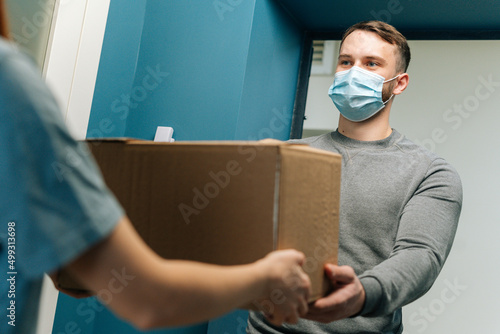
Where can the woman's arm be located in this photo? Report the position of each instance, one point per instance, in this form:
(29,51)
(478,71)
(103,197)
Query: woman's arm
(151,292)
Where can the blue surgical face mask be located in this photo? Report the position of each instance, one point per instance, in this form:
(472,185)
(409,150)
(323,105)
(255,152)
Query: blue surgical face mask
(357,93)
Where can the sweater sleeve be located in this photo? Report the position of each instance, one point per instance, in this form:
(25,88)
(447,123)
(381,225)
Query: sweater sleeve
(427,227)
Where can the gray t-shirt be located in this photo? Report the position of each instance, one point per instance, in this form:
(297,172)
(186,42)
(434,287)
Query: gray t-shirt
(399,211)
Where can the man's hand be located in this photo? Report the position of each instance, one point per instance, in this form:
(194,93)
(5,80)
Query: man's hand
(288,289)
(347,298)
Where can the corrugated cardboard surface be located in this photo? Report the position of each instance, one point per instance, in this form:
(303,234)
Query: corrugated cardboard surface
(227,202)
(309,207)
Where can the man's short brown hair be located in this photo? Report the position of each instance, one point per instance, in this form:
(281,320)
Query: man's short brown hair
(389,34)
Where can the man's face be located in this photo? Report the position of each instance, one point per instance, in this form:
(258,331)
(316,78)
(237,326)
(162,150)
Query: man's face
(367,50)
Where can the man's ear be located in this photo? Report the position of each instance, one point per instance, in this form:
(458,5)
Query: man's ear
(402,83)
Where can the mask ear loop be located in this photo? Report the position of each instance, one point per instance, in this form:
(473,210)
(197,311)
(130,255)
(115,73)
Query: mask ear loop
(392,94)
(392,78)
(388,100)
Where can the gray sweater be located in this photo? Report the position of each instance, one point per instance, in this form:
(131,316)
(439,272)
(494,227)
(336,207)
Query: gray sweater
(399,211)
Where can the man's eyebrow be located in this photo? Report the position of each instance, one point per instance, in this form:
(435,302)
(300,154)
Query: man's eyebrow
(379,59)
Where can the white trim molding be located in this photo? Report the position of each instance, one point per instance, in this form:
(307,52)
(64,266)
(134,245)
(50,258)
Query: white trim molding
(70,69)
(73,58)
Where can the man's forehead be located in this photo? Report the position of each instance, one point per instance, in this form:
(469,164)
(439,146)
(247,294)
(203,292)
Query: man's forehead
(367,42)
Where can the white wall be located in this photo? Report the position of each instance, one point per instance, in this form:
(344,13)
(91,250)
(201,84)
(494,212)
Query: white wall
(64,38)
(445,77)
(30,22)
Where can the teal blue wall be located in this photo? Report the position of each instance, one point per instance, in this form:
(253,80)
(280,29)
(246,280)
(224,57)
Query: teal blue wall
(205,58)
(116,74)
(88,316)
(212,73)
(271,72)
(213,70)
(224,75)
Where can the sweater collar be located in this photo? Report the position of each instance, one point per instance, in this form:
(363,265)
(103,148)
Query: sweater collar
(393,138)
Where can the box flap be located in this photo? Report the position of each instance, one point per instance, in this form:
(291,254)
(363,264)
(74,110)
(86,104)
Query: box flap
(309,197)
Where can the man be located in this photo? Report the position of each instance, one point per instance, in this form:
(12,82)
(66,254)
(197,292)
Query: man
(400,204)
(47,224)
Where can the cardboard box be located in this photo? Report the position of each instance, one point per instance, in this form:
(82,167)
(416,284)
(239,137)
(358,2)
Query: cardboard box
(227,203)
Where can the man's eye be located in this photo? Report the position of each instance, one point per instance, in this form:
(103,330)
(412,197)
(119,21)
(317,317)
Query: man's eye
(345,62)
(372,64)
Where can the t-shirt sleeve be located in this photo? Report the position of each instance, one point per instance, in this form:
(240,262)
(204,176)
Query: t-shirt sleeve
(426,231)
(50,187)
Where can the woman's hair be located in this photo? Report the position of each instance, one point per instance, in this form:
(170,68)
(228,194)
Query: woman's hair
(4,27)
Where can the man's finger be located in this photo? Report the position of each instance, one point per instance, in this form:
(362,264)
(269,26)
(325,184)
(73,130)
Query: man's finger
(342,274)
(328,303)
